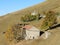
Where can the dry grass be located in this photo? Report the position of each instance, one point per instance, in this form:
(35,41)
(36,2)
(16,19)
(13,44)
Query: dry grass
(54,39)
(10,19)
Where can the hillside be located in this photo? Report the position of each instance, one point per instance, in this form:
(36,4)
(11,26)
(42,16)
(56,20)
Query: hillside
(15,16)
(12,18)
(53,39)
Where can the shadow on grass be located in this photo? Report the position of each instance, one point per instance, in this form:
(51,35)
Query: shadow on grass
(53,27)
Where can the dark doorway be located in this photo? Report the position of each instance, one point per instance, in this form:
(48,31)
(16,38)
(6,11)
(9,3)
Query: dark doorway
(41,32)
(33,37)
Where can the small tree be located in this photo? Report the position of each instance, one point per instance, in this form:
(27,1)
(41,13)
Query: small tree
(9,35)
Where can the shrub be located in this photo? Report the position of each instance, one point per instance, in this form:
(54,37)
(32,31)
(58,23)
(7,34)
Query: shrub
(9,35)
(15,33)
(49,20)
(28,18)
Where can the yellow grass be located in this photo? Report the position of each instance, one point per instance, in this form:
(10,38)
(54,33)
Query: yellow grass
(12,18)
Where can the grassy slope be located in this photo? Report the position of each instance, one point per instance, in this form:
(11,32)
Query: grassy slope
(14,17)
(54,39)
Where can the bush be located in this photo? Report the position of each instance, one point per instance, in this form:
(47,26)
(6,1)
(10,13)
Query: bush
(28,18)
(9,35)
(49,20)
(15,33)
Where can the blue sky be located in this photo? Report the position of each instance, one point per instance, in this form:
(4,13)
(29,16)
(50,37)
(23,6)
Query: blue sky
(8,6)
